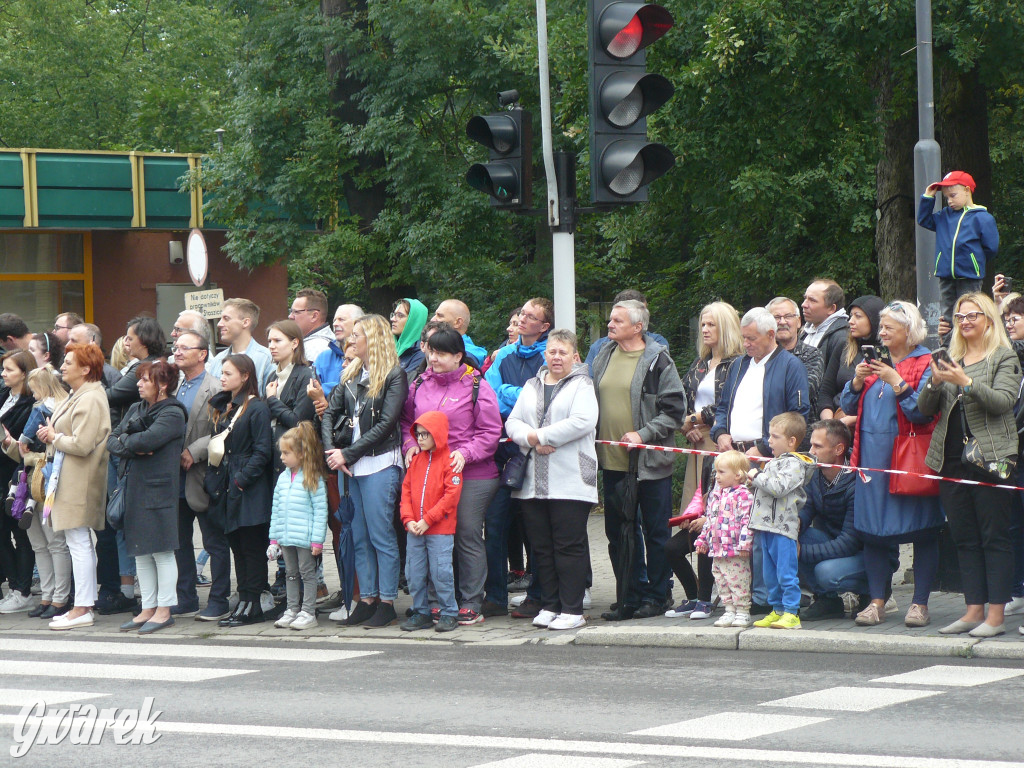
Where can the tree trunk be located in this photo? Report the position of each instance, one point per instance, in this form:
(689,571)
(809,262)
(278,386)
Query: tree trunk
(894,184)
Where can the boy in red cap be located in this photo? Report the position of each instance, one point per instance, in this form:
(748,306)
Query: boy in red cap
(965,237)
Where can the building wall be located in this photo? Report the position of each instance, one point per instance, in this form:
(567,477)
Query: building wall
(127,266)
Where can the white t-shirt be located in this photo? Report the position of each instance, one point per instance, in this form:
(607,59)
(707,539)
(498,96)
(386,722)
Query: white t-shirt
(705,391)
(746,419)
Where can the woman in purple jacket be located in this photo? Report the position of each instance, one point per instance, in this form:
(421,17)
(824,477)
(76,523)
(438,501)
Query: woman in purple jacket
(459,391)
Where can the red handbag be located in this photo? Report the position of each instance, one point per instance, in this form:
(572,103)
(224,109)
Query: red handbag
(908,453)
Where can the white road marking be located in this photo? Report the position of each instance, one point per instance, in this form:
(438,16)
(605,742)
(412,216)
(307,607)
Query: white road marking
(249,731)
(19,697)
(850,699)
(35,668)
(143,647)
(560,761)
(944,674)
(730,726)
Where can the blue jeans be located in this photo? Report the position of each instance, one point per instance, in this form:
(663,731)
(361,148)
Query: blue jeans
(828,578)
(758,591)
(655,498)
(428,561)
(779,569)
(376,544)
(497,523)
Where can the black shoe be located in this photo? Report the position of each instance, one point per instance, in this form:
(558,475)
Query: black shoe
(107,604)
(403,583)
(239,607)
(38,611)
(824,608)
(185,610)
(528,609)
(625,613)
(279,587)
(649,610)
(382,617)
(409,612)
(251,614)
(757,609)
(52,610)
(446,624)
(417,621)
(25,522)
(362,612)
(492,609)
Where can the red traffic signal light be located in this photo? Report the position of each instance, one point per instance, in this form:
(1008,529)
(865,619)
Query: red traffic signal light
(626,28)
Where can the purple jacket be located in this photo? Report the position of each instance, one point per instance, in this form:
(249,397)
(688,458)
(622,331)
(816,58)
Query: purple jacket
(473,429)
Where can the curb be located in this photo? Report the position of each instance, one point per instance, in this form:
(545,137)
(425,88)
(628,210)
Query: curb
(806,641)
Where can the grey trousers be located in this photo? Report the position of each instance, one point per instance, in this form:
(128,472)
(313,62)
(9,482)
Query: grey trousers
(300,563)
(52,559)
(469,540)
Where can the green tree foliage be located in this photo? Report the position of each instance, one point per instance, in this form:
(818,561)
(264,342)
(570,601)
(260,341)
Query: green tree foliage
(114,74)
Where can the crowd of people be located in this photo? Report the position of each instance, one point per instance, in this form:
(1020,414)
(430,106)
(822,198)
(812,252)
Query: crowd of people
(423,462)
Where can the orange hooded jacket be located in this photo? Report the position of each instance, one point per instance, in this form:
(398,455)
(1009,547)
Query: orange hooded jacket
(431,490)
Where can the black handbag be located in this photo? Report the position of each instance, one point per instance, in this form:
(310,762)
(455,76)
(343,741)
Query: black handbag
(514,474)
(116,504)
(1000,470)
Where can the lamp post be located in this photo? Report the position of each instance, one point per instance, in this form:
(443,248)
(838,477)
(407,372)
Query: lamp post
(927,168)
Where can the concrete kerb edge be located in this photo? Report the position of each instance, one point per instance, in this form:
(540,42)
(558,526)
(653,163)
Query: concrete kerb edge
(660,637)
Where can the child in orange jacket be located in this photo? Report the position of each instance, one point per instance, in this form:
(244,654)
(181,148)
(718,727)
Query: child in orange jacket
(430,496)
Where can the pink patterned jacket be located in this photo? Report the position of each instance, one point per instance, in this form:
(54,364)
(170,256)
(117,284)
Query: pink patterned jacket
(725,532)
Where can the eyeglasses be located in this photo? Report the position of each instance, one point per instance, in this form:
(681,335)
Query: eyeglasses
(421,433)
(62,327)
(1011,319)
(791,316)
(183,348)
(294,311)
(895,306)
(396,315)
(972,317)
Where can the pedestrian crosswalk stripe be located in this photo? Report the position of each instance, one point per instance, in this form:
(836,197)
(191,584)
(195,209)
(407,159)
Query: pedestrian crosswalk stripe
(19,697)
(35,668)
(540,760)
(850,699)
(730,726)
(145,647)
(946,674)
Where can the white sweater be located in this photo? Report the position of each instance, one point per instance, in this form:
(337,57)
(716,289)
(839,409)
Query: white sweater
(570,426)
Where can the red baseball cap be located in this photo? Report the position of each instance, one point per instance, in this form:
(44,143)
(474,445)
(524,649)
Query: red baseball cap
(953,178)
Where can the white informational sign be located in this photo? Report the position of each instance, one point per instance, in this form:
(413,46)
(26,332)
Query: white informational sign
(197,258)
(207,303)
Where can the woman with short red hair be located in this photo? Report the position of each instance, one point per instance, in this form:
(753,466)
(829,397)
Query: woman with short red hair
(76,438)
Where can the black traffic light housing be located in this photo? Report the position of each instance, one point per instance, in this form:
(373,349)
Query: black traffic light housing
(622,94)
(508,177)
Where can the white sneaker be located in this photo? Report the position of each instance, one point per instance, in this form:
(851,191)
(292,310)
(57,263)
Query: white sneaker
(741,620)
(515,602)
(587,602)
(15,602)
(1015,606)
(567,621)
(544,618)
(304,621)
(726,619)
(339,615)
(890,605)
(286,619)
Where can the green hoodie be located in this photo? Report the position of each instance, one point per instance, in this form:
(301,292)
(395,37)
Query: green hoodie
(418,315)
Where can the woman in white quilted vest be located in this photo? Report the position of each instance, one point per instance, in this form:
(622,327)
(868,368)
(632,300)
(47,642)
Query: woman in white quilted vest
(555,423)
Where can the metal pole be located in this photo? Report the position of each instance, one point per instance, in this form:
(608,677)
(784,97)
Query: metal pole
(563,243)
(927,168)
(545,112)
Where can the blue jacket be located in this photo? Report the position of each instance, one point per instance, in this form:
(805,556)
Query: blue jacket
(299,517)
(785,389)
(964,239)
(596,347)
(478,353)
(830,510)
(513,366)
(328,365)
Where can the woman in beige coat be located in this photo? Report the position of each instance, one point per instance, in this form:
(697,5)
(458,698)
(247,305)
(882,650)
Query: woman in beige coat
(79,428)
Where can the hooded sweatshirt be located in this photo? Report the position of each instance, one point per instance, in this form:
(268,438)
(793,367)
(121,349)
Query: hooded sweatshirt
(407,345)
(837,372)
(513,366)
(431,490)
(779,494)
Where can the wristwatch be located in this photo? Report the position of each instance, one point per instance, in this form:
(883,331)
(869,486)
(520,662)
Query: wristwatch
(968,386)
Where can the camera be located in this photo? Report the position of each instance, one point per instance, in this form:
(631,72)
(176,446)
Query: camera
(508,97)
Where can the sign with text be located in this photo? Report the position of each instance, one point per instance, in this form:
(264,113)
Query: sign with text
(207,303)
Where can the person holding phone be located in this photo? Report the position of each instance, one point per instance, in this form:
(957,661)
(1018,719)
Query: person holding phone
(973,388)
(884,397)
(841,368)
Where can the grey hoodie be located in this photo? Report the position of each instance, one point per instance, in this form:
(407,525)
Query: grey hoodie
(779,494)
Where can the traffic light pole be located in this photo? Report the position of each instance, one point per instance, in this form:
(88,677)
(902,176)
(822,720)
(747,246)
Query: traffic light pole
(927,168)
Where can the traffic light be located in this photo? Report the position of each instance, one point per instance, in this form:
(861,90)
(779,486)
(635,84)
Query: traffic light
(622,94)
(508,177)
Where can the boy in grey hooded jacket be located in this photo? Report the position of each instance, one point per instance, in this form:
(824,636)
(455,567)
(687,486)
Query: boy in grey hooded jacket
(778,496)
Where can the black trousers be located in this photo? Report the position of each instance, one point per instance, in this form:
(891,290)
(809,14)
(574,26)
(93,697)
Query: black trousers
(696,586)
(557,530)
(215,542)
(249,546)
(979,522)
(16,555)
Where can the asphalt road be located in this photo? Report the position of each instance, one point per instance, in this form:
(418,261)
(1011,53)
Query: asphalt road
(468,706)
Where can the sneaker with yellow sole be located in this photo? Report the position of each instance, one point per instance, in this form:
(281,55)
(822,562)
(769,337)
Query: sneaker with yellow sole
(768,620)
(787,621)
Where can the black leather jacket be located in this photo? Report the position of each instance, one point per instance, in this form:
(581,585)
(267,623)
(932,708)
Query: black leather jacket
(379,416)
(698,370)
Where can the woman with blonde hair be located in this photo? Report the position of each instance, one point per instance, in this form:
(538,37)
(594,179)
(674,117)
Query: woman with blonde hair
(720,343)
(360,431)
(885,399)
(974,392)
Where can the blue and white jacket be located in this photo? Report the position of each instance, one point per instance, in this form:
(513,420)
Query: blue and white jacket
(964,240)
(299,516)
